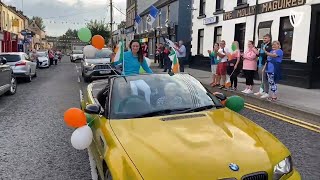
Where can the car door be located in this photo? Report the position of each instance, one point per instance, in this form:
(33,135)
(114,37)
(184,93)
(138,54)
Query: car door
(99,132)
(5,75)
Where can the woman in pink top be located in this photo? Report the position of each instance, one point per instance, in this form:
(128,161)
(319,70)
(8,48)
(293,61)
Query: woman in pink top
(250,66)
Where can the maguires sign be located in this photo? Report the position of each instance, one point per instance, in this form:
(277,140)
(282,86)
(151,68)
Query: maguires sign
(263,8)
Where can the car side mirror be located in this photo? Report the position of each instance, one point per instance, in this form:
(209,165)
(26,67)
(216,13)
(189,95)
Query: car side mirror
(93,109)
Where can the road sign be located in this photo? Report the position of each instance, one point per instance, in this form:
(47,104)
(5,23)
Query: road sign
(24,32)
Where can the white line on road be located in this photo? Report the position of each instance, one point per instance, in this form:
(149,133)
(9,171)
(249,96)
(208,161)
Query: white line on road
(79,79)
(94,172)
(81,95)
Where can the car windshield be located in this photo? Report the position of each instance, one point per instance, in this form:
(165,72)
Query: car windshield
(158,95)
(42,54)
(77,52)
(103,53)
(11,57)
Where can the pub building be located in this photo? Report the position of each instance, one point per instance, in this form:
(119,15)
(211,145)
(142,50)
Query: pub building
(241,20)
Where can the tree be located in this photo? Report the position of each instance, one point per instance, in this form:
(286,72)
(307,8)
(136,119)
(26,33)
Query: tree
(71,33)
(39,22)
(99,28)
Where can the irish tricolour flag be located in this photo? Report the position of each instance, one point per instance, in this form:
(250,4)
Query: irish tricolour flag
(119,52)
(173,57)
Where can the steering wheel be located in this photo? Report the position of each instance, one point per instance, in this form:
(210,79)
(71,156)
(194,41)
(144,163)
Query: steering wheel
(133,102)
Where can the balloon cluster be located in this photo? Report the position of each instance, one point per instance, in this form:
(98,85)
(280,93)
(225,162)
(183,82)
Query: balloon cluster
(234,103)
(97,42)
(81,138)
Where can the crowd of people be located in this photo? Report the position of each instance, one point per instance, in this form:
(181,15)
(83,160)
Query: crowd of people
(163,52)
(54,56)
(226,65)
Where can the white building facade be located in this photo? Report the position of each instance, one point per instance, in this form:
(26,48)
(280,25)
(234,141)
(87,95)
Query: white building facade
(244,20)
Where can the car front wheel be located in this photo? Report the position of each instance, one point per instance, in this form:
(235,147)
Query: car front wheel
(13,86)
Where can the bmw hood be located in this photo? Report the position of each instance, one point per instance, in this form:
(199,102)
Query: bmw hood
(206,145)
(98,61)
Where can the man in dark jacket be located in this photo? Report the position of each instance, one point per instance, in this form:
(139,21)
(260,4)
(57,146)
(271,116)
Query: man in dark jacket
(264,89)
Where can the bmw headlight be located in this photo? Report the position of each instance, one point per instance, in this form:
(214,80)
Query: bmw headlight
(282,168)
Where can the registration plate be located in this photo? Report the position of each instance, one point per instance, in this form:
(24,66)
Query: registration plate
(105,72)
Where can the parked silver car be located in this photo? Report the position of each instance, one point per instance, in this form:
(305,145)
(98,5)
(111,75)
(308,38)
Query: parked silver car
(21,65)
(8,83)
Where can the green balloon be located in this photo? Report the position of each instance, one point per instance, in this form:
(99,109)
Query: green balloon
(235,103)
(141,70)
(233,47)
(84,34)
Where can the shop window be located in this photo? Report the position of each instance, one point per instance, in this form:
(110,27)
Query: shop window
(219,5)
(241,2)
(217,34)
(286,37)
(163,16)
(240,35)
(200,41)
(202,11)
(263,29)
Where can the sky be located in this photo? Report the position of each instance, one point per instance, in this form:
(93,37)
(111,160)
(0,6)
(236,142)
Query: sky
(60,15)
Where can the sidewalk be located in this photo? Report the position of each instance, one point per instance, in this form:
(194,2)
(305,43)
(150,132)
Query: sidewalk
(295,101)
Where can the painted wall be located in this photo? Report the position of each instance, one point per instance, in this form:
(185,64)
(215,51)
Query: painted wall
(144,4)
(300,35)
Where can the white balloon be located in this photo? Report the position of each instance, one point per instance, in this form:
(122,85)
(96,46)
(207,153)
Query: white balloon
(82,137)
(148,61)
(89,51)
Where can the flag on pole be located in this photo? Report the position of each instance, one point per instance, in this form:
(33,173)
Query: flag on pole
(119,50)
(152,15)
(173,57)
(137,21)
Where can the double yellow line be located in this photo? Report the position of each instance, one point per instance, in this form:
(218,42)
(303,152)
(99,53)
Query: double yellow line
(285,118)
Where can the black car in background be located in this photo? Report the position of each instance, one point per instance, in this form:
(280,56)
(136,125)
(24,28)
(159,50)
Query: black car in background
(8,83)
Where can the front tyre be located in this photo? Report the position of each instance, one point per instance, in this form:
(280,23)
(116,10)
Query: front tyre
(13,87)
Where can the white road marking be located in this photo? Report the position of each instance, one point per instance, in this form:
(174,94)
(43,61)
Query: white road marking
(79,79)
(94,172)
(81,95)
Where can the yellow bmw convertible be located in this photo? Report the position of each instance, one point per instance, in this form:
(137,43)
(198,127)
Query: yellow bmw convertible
(169,127)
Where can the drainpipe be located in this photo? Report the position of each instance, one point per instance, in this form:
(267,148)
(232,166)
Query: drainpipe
(255,21)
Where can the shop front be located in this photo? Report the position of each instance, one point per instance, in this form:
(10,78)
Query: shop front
(14,42)
(1,40)
(301,62)
(6,43)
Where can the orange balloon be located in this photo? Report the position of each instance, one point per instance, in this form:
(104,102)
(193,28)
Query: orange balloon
(97,41)
(75,118)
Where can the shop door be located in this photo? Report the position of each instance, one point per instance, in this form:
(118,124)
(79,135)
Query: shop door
(315,55)
(240,35)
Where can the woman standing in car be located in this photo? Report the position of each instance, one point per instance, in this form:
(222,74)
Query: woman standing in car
(133,60)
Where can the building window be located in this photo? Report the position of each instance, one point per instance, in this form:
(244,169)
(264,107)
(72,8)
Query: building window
(163,16)
(286,37)
(200,41)
(202,7)
(217,34)
(240,35)
(263,29)
(219,5)
(241,2)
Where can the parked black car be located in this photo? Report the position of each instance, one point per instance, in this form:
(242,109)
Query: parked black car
(8,83)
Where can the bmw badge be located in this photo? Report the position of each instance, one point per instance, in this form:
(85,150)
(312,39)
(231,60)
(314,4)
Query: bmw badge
(234,167)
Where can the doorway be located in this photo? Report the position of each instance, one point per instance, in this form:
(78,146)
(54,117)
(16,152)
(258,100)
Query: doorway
(314,47)
(240,35)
